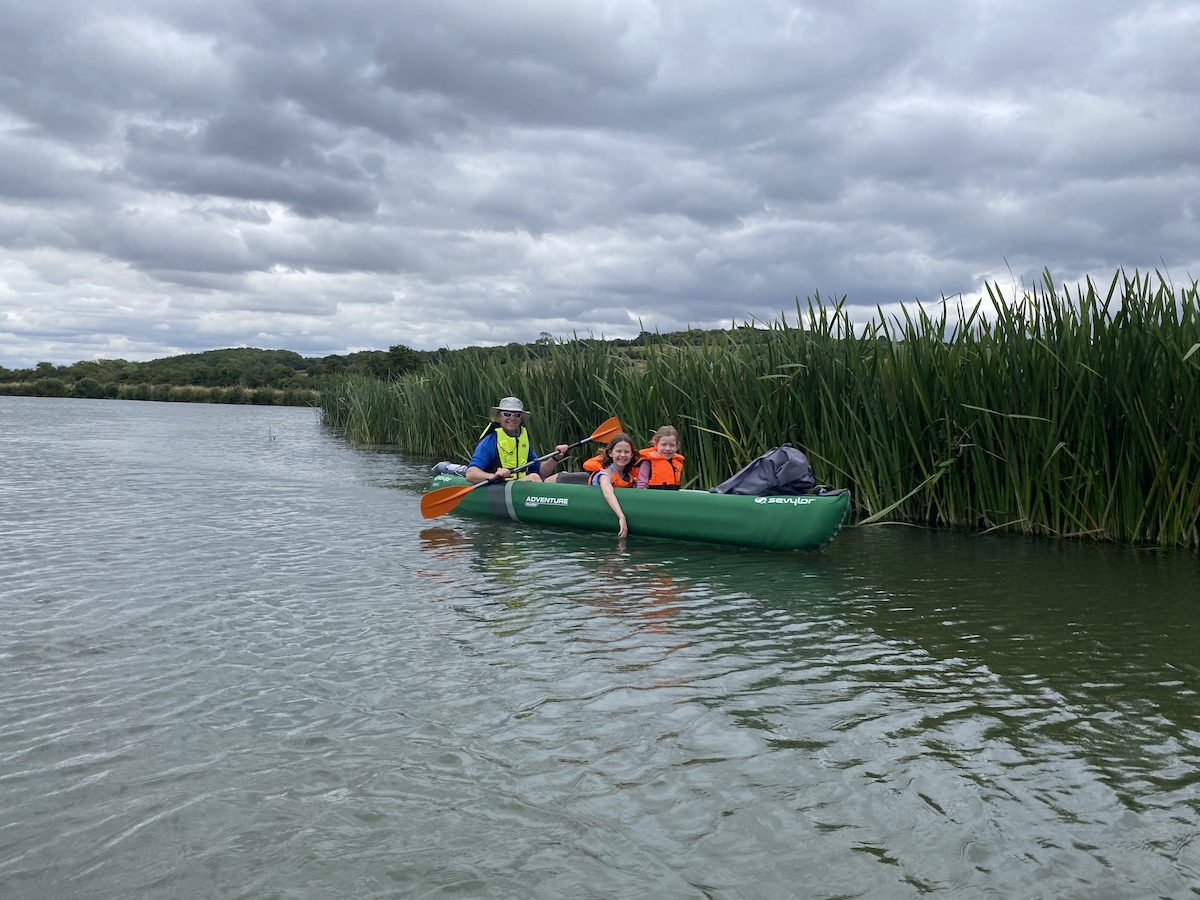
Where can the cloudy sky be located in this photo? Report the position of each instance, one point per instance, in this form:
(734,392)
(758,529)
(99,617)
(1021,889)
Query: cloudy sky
(184,175)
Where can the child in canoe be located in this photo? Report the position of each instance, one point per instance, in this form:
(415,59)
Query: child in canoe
(660,466)
(616,470)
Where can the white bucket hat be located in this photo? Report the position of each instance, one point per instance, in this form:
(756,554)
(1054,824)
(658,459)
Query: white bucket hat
(510,404)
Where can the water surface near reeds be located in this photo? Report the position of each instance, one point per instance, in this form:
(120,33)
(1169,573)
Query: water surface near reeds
(237,663)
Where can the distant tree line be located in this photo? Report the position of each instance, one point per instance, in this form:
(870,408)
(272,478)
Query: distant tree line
(280,377)
(236,375)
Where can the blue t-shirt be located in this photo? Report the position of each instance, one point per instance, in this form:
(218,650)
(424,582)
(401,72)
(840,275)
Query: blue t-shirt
(487,456)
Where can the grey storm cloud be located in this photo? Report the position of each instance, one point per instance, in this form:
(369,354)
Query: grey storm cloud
(179,175)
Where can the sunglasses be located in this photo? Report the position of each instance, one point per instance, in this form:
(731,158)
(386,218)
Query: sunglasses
(510,415)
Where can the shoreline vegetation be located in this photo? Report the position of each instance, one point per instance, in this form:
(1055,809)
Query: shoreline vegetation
(1050,414)
(236,375)
(260,396)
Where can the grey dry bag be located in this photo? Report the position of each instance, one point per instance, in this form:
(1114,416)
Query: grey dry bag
(782,471)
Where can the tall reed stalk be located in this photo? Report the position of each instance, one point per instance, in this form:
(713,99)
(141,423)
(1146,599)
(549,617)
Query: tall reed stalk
(1051,413)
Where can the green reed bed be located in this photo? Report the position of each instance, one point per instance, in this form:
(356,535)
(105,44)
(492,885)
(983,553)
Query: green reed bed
(1055,413)
(442,410)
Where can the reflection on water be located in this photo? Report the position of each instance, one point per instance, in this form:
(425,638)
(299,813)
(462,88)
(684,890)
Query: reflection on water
(238,663)
(613,581)
(949,682)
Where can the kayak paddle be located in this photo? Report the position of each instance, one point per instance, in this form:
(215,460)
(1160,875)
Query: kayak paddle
(441,501)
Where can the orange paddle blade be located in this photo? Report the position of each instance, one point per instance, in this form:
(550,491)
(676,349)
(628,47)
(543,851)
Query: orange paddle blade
(606,430)
(441,501)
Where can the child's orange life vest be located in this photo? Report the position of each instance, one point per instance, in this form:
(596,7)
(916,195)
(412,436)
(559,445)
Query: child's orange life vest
(664,473)
(618,480)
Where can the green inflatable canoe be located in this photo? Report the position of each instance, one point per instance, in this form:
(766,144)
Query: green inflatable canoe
(765,523)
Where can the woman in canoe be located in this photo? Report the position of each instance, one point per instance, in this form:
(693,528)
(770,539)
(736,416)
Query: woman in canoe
(617,470)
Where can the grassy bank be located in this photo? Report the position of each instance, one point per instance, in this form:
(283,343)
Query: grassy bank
(1052,414)
(260,396)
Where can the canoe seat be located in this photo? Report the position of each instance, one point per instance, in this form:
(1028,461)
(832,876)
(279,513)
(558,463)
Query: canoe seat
(573,477)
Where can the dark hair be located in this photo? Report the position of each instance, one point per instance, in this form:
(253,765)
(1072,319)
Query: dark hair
(608,449)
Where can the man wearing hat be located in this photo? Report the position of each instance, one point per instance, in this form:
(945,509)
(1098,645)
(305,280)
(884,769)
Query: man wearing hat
(504,446)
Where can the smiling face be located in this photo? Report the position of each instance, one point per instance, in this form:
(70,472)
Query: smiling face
(667,445)
(622,454)
(510,422)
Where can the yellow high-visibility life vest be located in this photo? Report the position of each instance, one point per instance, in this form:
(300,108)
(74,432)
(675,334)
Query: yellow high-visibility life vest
(512,451)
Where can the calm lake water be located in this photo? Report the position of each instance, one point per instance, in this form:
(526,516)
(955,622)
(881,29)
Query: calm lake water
(237,663)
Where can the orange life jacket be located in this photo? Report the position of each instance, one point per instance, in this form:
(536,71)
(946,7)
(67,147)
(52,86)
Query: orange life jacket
(618,480)
(664,473)
(595,464)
